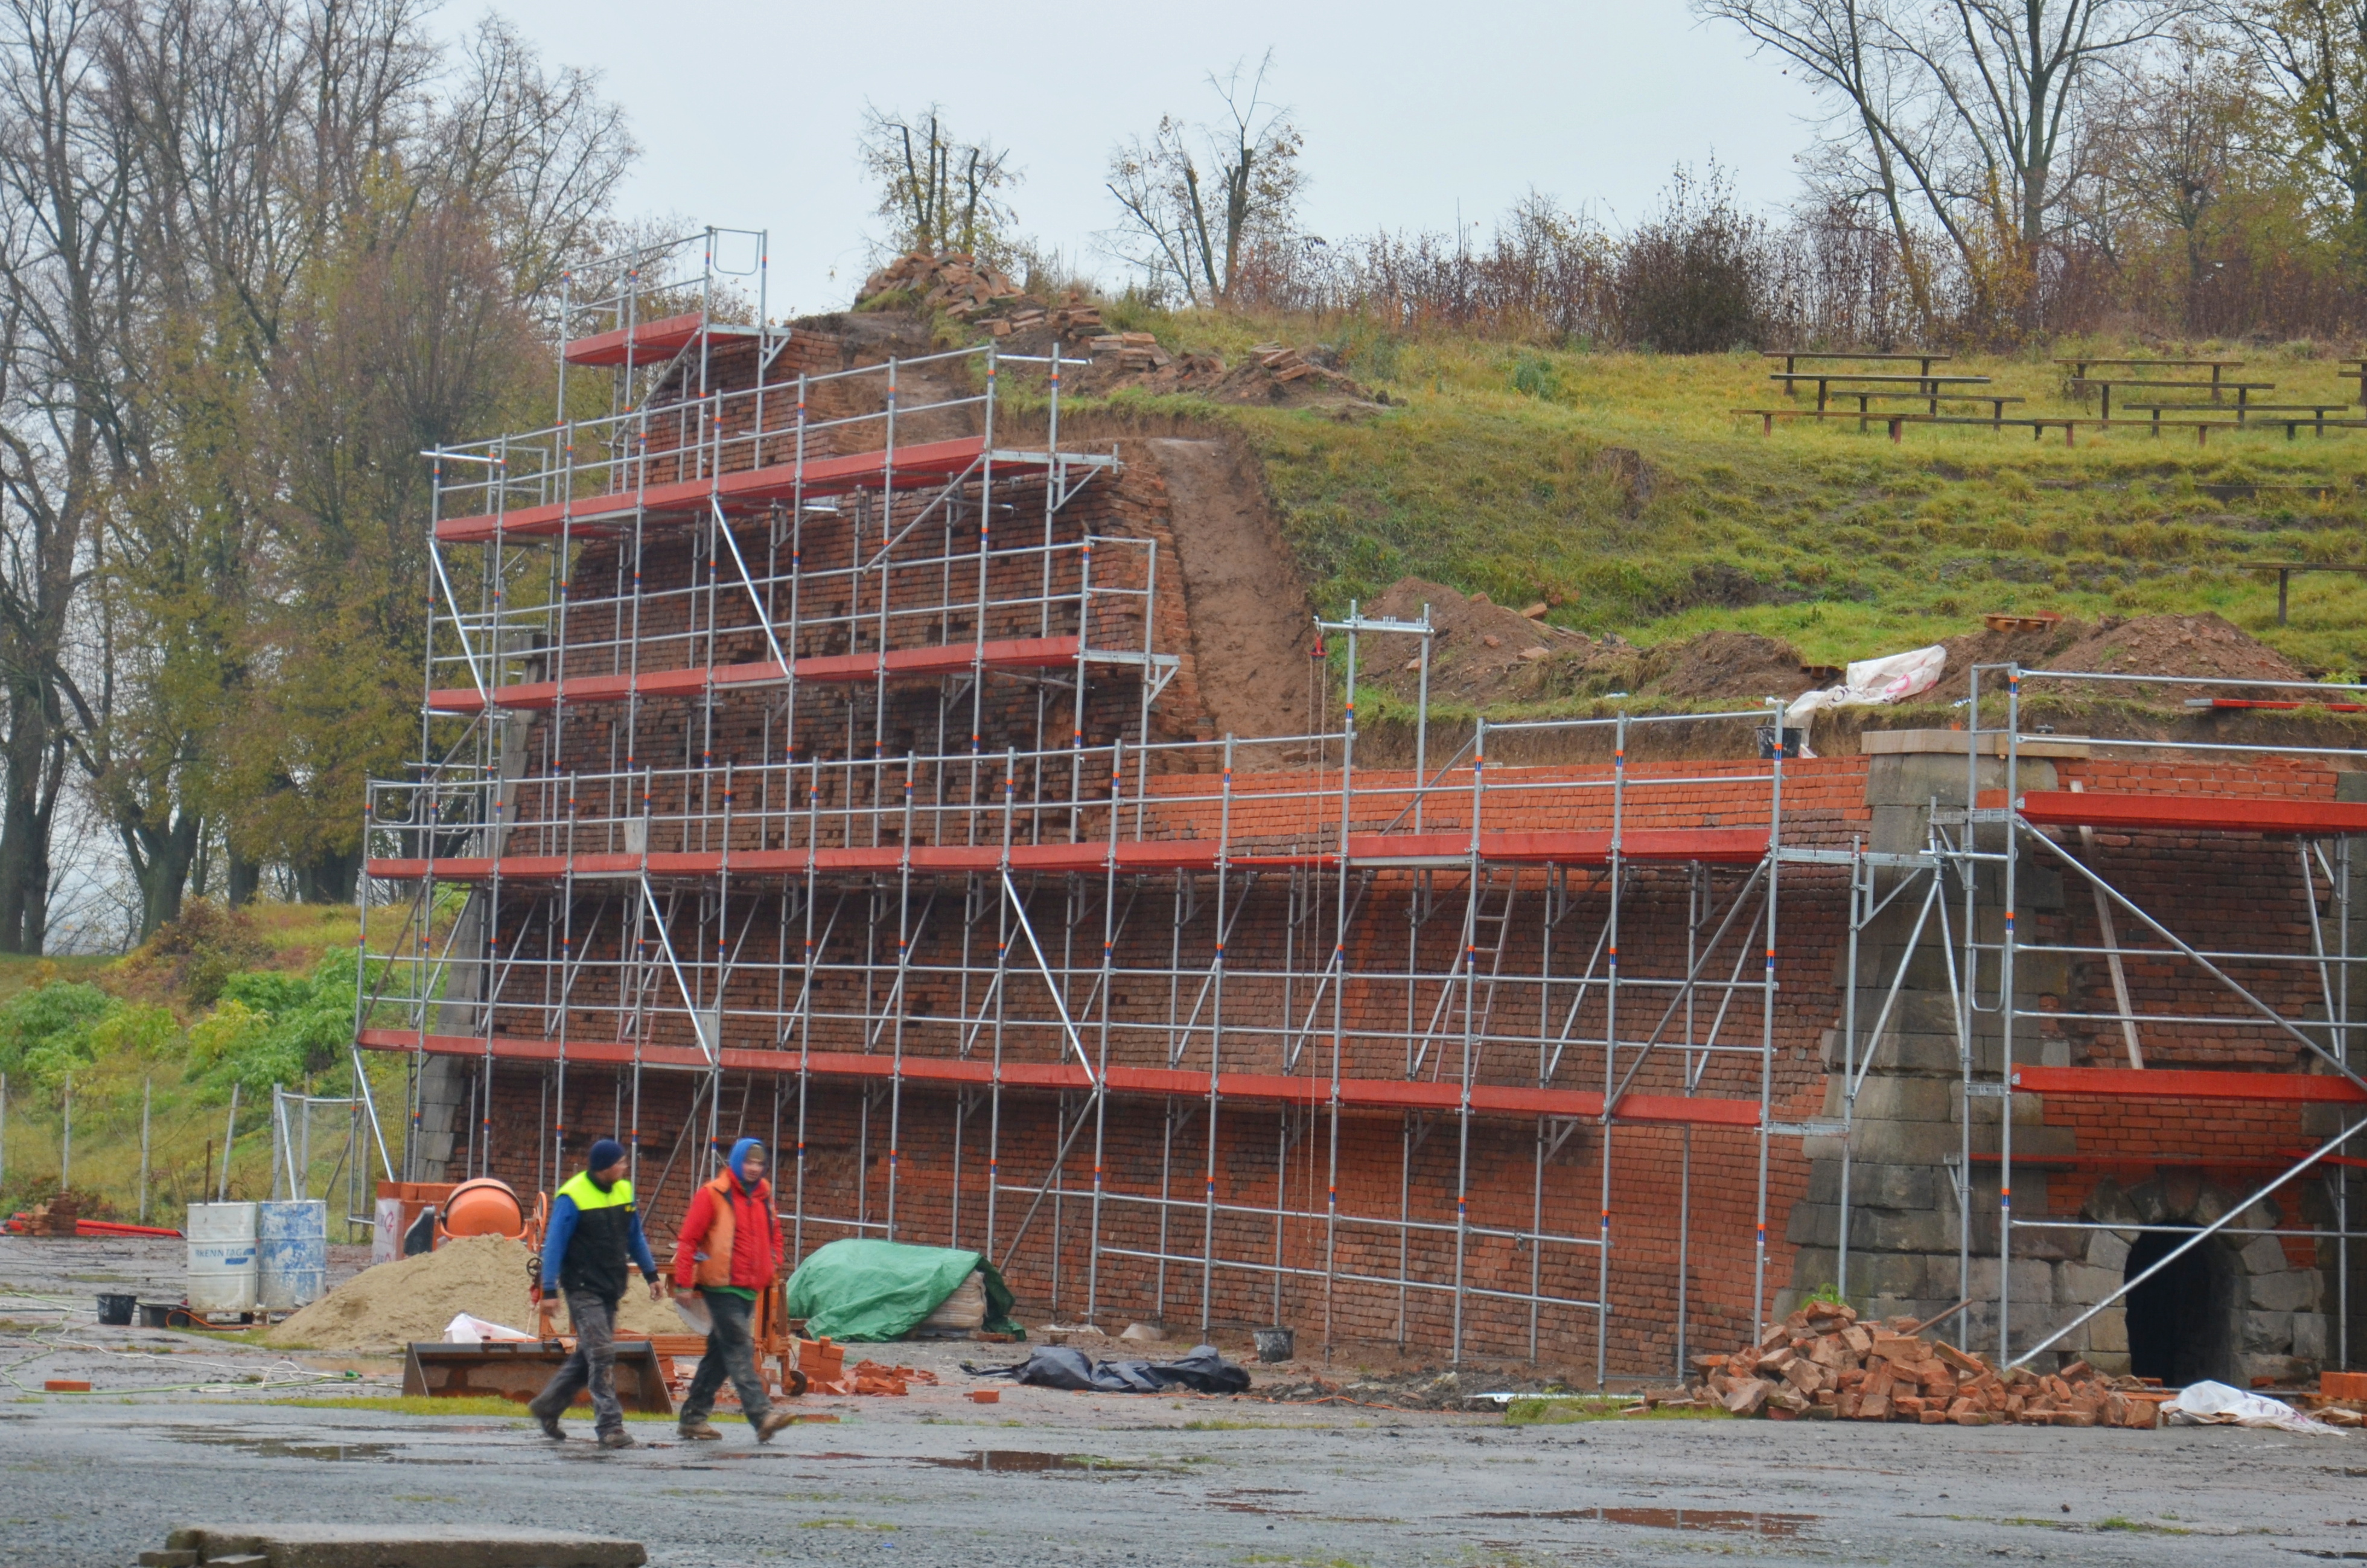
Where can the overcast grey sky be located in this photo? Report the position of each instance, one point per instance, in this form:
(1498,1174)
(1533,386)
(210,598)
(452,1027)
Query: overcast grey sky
(748,114)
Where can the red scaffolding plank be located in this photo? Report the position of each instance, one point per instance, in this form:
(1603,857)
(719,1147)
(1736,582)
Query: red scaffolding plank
(649,342)
(2184,1084)
(1356,1094)
(1148,855)
(2206,813)
(1719,846)
(895,663)
(737,492)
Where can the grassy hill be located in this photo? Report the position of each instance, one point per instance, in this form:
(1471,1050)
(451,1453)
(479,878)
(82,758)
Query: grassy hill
(1487,470)
(217,999)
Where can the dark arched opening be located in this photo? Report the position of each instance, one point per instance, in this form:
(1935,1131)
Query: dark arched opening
(2182,1321)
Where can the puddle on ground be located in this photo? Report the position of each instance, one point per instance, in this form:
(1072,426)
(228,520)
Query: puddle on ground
(1013,1461)
(282,1448)
(1728,1521)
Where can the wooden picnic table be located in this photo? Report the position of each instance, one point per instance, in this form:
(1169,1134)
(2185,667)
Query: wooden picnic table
(2106,383)
(1791,361)
(1927,385)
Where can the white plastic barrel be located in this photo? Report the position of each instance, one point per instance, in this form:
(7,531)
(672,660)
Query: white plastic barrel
(291,1240)
(222,1273)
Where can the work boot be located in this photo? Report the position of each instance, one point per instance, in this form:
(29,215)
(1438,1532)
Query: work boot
(698,1431)
(617,1440)
(772,1424)
(550,1426)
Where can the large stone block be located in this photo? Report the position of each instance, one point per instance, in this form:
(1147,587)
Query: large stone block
(405,1546)
(2264,1255)
(2109,1249)
(2267,1333)
(2309,1335)
(1876,1186)
(2290,1291)
(1882,1096)
(1903,1142)
(1899,1276)
(2112,1363)
(2082,1285)
(2033,1285)
(2108,1331)
(1909,1231)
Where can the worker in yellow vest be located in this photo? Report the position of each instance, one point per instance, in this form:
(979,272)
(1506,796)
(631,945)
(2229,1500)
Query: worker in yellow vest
(594,1229)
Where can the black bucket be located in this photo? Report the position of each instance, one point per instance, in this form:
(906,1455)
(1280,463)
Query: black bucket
(1275,1344)
(115,1312)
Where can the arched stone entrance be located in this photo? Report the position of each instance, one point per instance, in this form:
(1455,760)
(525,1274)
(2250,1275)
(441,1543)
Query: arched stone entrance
(2232,1309)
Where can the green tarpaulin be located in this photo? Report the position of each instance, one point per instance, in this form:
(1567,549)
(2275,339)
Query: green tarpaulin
(859,1289)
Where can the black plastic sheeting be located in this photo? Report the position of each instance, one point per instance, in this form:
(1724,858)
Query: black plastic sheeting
(1058,1367)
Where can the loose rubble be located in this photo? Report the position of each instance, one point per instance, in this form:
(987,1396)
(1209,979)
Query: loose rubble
(1822,1363)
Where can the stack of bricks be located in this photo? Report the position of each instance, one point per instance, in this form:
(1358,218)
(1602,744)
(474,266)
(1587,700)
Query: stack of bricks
(1822,1363)
(1135,350)
(956,284)
(1283,364)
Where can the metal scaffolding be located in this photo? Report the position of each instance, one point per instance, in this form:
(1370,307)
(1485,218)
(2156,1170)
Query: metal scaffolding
(2294,1002)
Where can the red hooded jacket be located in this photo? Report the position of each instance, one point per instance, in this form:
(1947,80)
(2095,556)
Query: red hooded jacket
(730,1237)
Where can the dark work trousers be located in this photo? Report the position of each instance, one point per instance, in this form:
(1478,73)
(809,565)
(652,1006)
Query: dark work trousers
(730,1352)
(593,1363)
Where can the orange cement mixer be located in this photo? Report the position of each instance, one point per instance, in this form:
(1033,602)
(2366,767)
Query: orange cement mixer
(490,1206)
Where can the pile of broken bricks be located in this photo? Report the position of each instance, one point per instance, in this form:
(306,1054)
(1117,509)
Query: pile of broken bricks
(1135,350)
(957,284)
(1821,1363)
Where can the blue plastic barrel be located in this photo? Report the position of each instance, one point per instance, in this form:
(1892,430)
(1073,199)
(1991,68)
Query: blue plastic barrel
(292,1253)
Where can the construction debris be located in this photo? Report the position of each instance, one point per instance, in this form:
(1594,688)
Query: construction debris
(1822,1363)
(59,1217)
(1133,350)
(956,284)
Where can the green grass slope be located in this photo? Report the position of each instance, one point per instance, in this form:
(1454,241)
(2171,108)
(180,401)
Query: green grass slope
(1487,471)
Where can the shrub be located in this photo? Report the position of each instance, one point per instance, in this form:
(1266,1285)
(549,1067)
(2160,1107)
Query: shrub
(46,1033)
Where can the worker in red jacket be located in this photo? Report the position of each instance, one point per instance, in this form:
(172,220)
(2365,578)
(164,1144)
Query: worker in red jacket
(728,1250)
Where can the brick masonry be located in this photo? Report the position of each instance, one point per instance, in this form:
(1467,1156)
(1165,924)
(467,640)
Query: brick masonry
(921,966)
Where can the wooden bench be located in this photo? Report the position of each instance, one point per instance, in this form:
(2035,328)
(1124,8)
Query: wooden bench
(1792,362)
(1927,385)
(2079,368)
(2037,423)
(2284,570)
(2317,411)
(2357,372)
(1997,401)
(2106,383)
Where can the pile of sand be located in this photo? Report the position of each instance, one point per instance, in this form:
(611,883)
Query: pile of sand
(384,1308)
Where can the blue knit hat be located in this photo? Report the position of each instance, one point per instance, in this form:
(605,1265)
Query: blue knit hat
(605,1152)
(739,1154)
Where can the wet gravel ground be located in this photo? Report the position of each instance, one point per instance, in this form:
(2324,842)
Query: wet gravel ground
(1073,1479)
(180,1429)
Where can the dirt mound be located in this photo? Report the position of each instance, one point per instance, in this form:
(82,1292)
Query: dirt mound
(2201,645)
(391,1304)
(1485,653)
(1738,665)
(1480,652)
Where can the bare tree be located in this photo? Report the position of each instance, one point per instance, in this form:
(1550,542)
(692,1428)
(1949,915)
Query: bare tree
(1975,104)
(938,192)
(1193,198)
(2173,143)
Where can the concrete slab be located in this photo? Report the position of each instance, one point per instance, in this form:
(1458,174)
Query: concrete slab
(399,1546)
